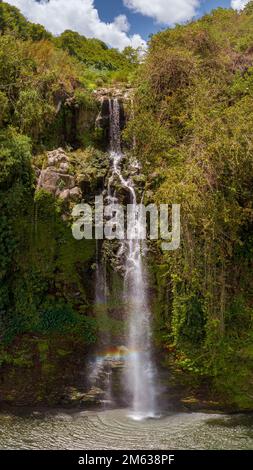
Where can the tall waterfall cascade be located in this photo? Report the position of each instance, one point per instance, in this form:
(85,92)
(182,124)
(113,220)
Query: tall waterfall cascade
(139,376)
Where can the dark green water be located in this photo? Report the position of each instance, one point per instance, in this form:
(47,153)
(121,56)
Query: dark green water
(112,429)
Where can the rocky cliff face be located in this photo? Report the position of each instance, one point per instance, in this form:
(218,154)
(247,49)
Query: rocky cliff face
(103,96)
(46,361)
(56,178)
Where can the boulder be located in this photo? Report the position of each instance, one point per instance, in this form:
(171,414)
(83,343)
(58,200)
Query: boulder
(55,157)
(49,180)
(64,194)
(55,178)
(54,181)
(75,194)
(64,167)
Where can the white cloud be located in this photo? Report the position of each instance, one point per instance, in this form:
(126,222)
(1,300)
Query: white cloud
(239,4)
(122,23)
(80,16)
(166,12)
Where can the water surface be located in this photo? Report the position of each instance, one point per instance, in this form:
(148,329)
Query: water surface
(113,429)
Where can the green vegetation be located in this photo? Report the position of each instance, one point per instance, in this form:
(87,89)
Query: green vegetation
(100,65)
(193,127)
(46,83)
(104,64)
(39,258)
(46,101)
(13,22)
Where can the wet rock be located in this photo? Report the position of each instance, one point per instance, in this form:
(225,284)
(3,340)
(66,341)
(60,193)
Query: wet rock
(124,93)
(103,118)
(93,397)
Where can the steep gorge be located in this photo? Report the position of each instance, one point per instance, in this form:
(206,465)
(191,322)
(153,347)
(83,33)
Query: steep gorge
(189,127)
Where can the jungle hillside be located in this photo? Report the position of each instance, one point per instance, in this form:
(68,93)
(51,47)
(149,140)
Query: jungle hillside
(192,94)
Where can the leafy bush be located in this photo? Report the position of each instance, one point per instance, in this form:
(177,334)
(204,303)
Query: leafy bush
(193,126)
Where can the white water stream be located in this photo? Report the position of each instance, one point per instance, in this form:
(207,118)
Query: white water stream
(140,372)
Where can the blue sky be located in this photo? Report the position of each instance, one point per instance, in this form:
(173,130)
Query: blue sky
(141,24)
(119,23)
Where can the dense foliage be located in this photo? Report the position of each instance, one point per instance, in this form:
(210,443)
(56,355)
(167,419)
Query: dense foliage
(100,64)
(193,127)
(46,82)
(45,102)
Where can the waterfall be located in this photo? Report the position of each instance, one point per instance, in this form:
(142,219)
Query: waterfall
(140,371)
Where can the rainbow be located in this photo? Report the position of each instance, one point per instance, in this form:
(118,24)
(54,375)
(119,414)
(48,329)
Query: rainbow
(116,353)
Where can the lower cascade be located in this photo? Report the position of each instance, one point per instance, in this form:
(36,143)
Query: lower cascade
(139,370)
